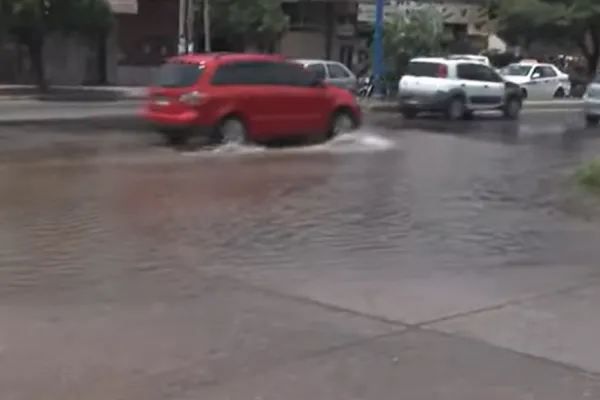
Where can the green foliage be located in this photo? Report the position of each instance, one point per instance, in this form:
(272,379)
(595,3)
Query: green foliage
(562,22)
(253,22)
(87,17)
(588,176)
(405,36)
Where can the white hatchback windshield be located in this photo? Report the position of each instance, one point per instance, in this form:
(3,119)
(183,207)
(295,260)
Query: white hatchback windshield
(517,70)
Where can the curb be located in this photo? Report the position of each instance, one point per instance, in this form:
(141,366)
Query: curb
(73,98)
(528,105)
(103,122)
(133,122)
(74,95)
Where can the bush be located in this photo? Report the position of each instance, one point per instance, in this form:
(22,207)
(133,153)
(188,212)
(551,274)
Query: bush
(588,175)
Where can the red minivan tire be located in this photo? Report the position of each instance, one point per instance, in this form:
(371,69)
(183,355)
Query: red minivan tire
(232,130)
(342,120)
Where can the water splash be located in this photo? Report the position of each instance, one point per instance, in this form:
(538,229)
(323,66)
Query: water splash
(358,141)
(361,141)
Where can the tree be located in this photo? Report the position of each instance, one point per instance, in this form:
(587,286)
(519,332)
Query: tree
(257,23)
(566,22)
(30,22)
(409,35)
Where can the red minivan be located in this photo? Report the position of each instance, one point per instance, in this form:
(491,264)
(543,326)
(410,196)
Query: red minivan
(235,98)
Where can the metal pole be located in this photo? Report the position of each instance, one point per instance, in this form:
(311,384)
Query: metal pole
(181,45)
(206,24)
(378,49)
(189,37)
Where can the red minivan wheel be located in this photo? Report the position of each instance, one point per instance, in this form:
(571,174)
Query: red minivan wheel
(232,130)
(342,121)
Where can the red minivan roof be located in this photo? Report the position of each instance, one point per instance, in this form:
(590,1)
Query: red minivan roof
(204,57)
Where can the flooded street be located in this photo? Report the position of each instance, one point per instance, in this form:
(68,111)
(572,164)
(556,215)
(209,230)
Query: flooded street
(456,254)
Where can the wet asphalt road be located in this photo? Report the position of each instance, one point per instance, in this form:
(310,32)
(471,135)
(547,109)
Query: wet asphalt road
(421,260)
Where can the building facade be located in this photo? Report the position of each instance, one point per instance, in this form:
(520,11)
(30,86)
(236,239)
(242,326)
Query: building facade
(321,30)
(318,29)
(146,32)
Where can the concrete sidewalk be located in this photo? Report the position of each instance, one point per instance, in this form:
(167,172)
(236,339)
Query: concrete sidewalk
(22,111)
(71,93)
(234,341)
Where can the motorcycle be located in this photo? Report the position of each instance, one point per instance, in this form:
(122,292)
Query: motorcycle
(365,86)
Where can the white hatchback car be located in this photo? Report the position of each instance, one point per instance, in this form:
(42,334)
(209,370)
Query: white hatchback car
(455,87)
(538,81)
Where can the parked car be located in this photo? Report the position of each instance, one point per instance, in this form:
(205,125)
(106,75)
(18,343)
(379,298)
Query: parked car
(234,98)
(591,103)
(455,87)
(538,80)
(332,72)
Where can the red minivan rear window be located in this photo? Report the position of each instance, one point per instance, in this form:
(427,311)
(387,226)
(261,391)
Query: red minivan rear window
(178,74)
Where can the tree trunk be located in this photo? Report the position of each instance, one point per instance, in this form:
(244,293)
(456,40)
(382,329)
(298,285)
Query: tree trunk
(590,49)
(101,60)
(592,65)
(35,45)
(592,61)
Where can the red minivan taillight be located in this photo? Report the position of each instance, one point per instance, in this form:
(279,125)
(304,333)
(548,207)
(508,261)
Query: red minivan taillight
(443,71)
(192,99)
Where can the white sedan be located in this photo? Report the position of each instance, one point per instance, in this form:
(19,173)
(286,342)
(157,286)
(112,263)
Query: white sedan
(538,81)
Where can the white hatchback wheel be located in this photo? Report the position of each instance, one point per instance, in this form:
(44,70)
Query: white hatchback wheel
(233,131)
(512,109)
(456,109)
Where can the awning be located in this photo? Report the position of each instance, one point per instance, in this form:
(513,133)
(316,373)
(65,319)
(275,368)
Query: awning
(124,6)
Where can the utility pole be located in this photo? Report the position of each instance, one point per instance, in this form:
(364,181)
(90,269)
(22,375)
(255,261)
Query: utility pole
(191,14)
(378,49)
(206,25)
(181,44)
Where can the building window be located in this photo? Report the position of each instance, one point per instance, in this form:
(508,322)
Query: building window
(304,14)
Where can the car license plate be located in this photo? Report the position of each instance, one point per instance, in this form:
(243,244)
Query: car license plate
(161,101)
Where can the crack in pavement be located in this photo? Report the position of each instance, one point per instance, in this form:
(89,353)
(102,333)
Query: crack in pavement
(424,325)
